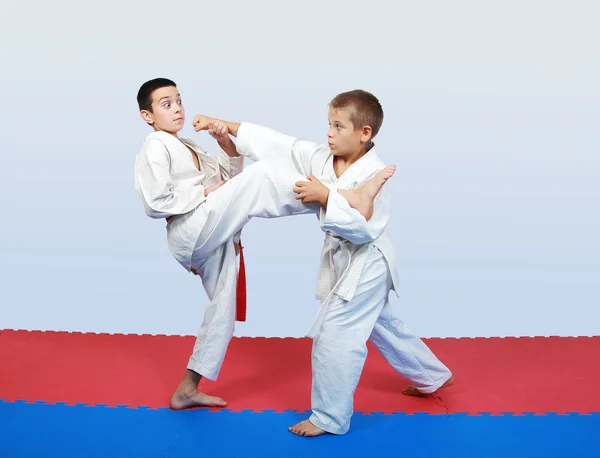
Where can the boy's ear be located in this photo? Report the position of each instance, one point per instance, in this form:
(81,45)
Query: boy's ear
(367,133)
(147,116)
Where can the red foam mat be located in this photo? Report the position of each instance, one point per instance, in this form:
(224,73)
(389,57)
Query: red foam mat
(492,375)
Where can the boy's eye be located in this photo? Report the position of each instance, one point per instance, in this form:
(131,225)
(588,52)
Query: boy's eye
(167,104)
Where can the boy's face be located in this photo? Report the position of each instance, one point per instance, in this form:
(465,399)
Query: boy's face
(167,113)
(343,138)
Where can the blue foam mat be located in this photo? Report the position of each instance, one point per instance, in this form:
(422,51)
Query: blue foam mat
(46,430)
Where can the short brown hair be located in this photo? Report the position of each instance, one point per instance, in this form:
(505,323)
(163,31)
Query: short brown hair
(364,109)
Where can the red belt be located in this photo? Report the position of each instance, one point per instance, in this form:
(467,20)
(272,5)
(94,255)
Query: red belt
(241,289)
(240,309)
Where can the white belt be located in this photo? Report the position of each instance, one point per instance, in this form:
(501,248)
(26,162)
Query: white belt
(338,248)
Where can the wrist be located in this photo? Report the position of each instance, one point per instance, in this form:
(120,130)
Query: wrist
(324,197)
(226,142)
(229,147)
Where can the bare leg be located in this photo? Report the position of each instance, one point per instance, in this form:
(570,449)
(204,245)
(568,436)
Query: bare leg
(187,394)
(362,198)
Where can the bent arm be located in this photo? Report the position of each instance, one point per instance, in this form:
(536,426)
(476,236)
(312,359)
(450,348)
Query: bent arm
(344,221)
(154,182)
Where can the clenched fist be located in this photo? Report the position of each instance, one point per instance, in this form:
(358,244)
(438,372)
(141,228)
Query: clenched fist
(202,122)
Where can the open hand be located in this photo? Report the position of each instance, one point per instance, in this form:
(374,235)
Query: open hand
(311,191)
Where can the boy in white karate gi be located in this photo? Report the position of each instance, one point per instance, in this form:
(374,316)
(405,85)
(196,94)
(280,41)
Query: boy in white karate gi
(357,270)
(206,202)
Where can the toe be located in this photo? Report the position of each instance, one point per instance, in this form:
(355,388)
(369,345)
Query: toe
(411,391)
(219,402)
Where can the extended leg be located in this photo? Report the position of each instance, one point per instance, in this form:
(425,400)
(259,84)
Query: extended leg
(408,354)
(262,190)
(265,190)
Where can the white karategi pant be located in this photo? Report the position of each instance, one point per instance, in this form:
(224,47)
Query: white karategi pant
(354,282)
(263,190)
(340,348)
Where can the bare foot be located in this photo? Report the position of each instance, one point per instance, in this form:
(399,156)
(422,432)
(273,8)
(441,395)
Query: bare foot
(413,391)
(374,185)
(181,400)
(187,395)
(362,198)
(306,428)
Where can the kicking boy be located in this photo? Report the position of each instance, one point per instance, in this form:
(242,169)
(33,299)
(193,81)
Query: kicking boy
(357,270)
(206,202)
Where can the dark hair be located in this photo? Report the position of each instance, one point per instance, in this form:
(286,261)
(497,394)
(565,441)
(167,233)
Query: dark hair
(144,96)
(364,109)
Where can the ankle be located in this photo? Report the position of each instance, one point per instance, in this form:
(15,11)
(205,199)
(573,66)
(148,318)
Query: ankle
(191,378)
(186,390)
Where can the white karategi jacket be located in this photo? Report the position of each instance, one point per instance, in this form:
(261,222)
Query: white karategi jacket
(167,180)
(348,235)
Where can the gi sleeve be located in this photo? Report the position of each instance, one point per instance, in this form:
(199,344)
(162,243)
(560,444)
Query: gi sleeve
(260,143)
(230,166)
(347,222)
